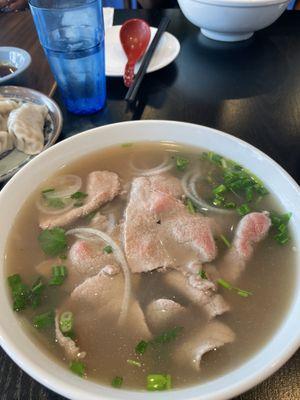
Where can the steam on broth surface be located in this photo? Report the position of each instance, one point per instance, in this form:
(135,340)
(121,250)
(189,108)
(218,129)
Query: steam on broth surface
(210,284)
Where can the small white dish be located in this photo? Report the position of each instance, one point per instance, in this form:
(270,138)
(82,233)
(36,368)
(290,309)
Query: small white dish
(18,58)
(115,58)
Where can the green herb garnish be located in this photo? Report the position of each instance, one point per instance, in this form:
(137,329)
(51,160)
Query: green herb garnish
(20,292)
(280,224)
(36,292)
(190,206)
(126,144)
(243,209)
(55,202)
(225,240)
(90,216)
(44,320)
(107,249)
(77,367)
(59,274)
(202,274)
(117,382)
(181,163)
(167,336)
(66,322)
(134,363)
(79,195)
(240,292)
(158,382)
(141,347)
(53,241)
(48,190)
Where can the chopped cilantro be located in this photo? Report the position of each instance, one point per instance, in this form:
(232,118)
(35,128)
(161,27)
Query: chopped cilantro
(53,241)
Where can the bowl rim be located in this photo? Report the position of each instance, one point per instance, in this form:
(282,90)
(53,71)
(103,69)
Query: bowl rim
(78,390)
(18,71)
(237,3)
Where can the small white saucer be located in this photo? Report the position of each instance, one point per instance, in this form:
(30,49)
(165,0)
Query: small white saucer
(115,58)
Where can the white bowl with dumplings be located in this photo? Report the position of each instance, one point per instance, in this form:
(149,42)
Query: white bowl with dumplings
(30,122)
(232,20)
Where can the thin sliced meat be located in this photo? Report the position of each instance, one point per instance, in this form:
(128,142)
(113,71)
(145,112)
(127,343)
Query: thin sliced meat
(251,229)
(71,350)
(156,223)
(164,313)
(100,294)
(102,187)
(168,184)
(211,337)
(198,291)
(88,257)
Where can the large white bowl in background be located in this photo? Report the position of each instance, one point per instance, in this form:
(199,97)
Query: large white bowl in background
(36,363)
(232,20)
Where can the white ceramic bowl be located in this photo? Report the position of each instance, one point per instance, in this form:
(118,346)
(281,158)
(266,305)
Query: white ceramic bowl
(31,358)
(232,20)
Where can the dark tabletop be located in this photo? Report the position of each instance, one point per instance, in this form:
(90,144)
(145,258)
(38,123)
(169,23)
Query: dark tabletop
(250,90)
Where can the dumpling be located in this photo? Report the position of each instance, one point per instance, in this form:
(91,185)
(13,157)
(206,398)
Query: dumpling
(6,106)
(6,142)
(26,124)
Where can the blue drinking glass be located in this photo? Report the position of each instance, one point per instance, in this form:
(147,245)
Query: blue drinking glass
(72,35)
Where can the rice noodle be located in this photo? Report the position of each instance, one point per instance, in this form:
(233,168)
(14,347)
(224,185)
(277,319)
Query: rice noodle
(188,183)
(165,166)
(85,233)
(69,184)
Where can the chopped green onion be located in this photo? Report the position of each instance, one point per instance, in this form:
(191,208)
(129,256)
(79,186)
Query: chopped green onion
(243,209)
(117,382)
(181,163)
(126,144)
(20,292)
(66,322)
(158,382)
(141,347)
(77,367)
(44,320)
(202,274)
(107,249)
(48,190)
(240,292)
(230,204)
(53,241)
(63,257)
(190,206)
(59,274)
(219,189)
(134,363)
(225,240)
(280,223)
(167,336)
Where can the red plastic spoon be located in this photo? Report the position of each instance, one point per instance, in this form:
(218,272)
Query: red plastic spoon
(135,36)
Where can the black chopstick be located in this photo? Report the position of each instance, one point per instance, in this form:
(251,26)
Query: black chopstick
(132,91)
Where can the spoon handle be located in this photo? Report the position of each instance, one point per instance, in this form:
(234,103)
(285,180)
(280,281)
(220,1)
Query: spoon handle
(129,74)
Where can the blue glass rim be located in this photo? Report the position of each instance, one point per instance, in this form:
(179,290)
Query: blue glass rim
(84,5)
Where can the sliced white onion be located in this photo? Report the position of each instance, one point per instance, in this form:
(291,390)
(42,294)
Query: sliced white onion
(165,166)
(188,183)
(42,206)
(65,186)
(120,257)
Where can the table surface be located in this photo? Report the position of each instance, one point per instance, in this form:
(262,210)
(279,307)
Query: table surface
(250,90)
